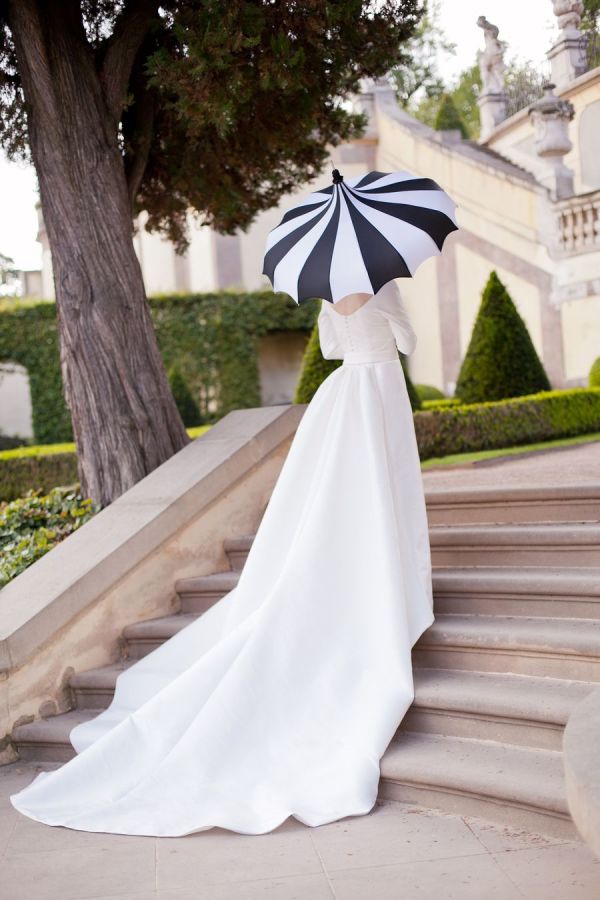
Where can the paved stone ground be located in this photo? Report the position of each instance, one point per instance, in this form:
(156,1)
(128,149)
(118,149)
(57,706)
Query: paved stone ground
(579,464)
(396,851)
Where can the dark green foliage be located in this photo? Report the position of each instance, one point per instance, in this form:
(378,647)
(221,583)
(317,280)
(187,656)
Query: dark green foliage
(429,392)
(211,338)
(595,374)
(448,117)
(218,107)
(187,406)
(508,423)
(501,360)
(315,369)
(32,525)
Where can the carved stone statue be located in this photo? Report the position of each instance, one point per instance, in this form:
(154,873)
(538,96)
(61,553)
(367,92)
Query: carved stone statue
(568,13)
(568,55)
(491,59)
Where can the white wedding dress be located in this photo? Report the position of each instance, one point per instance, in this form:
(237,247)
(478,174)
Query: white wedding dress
(281,699)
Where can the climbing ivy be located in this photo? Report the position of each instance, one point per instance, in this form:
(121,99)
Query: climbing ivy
(212,339)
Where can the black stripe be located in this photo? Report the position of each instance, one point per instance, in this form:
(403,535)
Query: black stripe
(435,223)
(274,256)
(369,177)
(313,280)
(300,210)
(382,260)
(412,184)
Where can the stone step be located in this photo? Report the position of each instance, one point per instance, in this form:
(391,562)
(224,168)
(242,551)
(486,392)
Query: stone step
(530,591)
(522,645)
(570,545)
(95,688)
(143,637)
(517,709)
(536,503)
(513,709)
(522,787)
(47,740)
(200,592)
(237,550)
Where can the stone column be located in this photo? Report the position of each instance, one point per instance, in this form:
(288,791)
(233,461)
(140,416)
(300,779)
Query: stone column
(550,117)
(492,100)
(567,56)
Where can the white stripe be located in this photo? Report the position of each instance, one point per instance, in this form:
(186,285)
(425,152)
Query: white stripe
(287,271)
(348,273)
(286,228)
(413,244)
(438,200)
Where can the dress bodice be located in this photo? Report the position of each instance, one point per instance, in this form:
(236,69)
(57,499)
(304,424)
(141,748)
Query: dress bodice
(372,333)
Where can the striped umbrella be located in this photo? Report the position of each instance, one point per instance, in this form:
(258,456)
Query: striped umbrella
(354,236)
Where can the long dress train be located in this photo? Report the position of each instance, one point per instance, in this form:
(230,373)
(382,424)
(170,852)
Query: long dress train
(281,699)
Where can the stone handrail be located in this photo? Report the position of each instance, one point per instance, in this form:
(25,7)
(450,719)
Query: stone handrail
(581,740)
(579,223)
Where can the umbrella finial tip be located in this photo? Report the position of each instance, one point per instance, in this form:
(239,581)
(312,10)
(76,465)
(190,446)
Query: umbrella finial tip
(336,176)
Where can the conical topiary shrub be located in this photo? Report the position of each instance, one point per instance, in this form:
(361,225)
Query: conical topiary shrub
(501,360)
(448,117)
(315,369)
(595,374)
(187,406)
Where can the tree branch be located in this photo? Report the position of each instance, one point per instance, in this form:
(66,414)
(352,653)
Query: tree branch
(120,50)
(136,160)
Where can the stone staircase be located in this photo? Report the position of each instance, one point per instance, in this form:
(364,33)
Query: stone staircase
(515,646)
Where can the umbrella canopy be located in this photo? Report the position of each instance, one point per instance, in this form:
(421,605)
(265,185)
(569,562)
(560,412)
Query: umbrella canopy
(354,236)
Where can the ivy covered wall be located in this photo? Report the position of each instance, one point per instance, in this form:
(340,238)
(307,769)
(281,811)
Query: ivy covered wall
(213,339)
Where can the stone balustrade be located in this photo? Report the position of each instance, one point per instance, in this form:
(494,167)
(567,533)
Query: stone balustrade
(579,223)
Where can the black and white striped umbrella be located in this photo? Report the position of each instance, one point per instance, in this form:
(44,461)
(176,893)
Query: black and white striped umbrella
(354,236)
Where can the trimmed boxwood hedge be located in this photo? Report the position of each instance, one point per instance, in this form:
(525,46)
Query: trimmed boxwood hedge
(441,431)
(212,338)
(508,423)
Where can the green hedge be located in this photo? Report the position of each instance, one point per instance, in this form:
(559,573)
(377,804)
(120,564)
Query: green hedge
(442,430)
(508,423)
(45,466)
(212,338)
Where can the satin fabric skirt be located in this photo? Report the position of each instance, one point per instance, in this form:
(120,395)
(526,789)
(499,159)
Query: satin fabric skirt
(281,699)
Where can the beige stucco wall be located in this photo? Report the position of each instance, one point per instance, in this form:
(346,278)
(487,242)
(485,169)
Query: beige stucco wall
(581,328)
(420,295)
(473,272)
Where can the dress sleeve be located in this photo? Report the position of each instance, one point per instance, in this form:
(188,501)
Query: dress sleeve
(391,307)
(331,346)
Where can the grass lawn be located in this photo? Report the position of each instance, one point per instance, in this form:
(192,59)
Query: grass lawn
(461,459)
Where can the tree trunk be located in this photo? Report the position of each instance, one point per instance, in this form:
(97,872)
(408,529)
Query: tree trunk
(124,416)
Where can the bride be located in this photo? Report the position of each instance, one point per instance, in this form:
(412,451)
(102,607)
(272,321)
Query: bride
(282,698)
